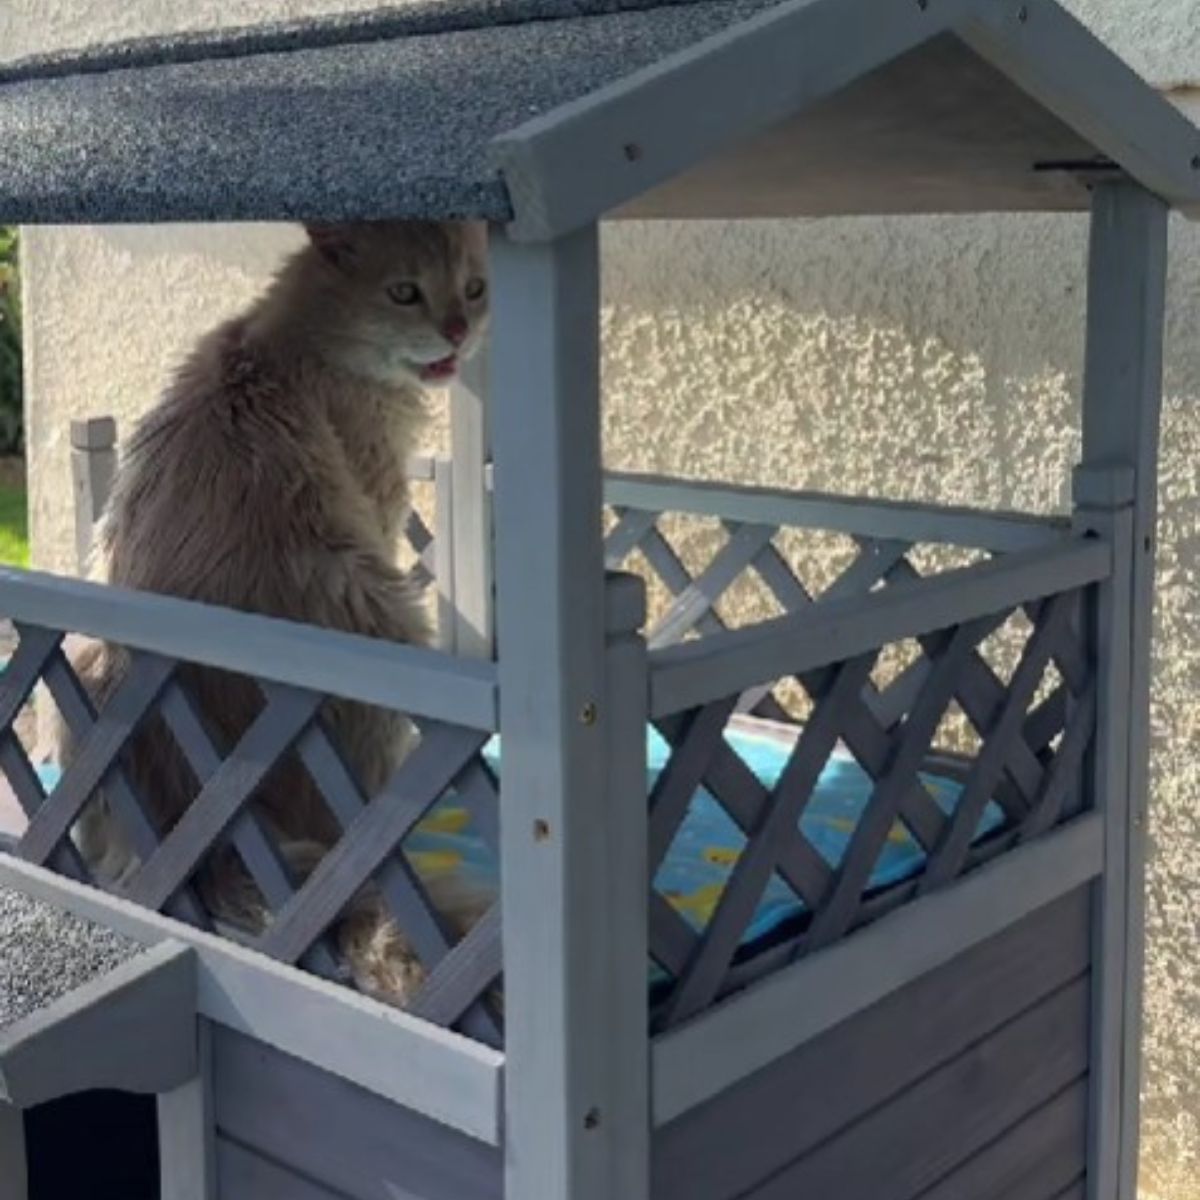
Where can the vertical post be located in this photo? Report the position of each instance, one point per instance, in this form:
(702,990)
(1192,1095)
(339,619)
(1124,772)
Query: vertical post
(471,511)
(1117,497)
(93,465)
(443,553)
(187,1131)
(576,1072)
(14,1169)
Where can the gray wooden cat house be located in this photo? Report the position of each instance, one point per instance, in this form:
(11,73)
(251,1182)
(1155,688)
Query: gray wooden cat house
(893,969)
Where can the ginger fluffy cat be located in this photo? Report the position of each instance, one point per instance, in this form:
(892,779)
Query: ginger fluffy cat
(271,478)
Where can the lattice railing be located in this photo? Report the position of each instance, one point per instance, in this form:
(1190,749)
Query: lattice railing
(452,704)
(938,655)
(1032,724)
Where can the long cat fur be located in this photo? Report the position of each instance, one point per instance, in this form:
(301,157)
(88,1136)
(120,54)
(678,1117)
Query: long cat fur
(271,478)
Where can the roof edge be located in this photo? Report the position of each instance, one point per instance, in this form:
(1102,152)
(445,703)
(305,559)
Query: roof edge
(583,159)
(1137,127)
(572,165)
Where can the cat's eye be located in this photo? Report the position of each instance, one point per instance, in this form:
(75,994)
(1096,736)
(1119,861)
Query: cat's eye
(476,288)
(404,293)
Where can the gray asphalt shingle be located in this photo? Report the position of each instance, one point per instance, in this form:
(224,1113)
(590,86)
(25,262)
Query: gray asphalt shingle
(46,953)
(386,126)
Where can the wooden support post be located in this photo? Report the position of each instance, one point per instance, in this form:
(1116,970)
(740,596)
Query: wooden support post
(1116,497)
(14,1168)
(443,553)
(187,1132)
(93,465)
(576,1120)
(471,512)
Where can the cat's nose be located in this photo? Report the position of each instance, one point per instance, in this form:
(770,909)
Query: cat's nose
(455,330)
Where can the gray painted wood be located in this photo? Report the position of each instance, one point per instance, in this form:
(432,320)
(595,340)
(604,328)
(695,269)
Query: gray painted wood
(982,698)
(187,1131)
(258,853)
(935,1125)
(1065,772)
(340,1136)
(101,734)
(132,1029)
(743,547)
(442,755)
(453,1080)
(1034,1160)
(443,550)
(670,569)
(244,1175)
(694,739)
(567,1040)
(1122,400)
(837,911)
(626,696)
(272,733)
(745,798)
(405,678)
(702,979)
(101,737)
(889,520)
(698,1061)
(14,1167)
(623,539)
(1048,54)
(741,1137)
(93,467)
(463,975)
(686,675)
(371,841)
(997,747)
(471,520)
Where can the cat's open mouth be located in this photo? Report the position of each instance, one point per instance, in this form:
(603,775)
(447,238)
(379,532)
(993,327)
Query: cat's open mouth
(444,368)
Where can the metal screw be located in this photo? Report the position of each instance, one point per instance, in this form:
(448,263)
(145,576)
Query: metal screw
(1196,162)
(591,1119)
(1147,543)
(633,151)
(922,4)
(541,830)
(1022,14)
(588,714)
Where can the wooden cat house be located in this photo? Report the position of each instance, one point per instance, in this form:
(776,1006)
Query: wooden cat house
(758,933)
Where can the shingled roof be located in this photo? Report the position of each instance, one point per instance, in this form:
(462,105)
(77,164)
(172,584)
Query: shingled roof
(550,113)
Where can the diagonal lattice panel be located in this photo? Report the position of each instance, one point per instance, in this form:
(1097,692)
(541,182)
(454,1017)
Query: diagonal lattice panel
(1000,740)
(258,854)
(398,884)
(101,740)
(223,797)
(837,911)
(703,976)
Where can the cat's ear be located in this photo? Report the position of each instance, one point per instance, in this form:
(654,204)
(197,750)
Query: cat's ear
(335,243)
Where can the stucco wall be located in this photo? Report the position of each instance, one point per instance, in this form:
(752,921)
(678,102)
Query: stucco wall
(935,359)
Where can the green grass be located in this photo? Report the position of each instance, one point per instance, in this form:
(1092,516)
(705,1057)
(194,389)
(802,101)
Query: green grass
(14,527)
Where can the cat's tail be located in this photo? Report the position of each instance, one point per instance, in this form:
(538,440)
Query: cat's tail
(380,958)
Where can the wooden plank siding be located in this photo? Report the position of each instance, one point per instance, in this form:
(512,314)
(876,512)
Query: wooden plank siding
(890,1103)
(333,1135)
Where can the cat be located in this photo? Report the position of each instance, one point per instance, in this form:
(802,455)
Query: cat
(270,477)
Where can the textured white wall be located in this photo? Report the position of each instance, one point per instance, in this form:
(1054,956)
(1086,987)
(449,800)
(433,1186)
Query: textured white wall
(935,359)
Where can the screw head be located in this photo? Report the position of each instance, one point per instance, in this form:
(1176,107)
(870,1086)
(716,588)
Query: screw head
(588,714)
(1196,162)
(923,5)
(632,151)
(591,1119)
(1023,14)
(541,831)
